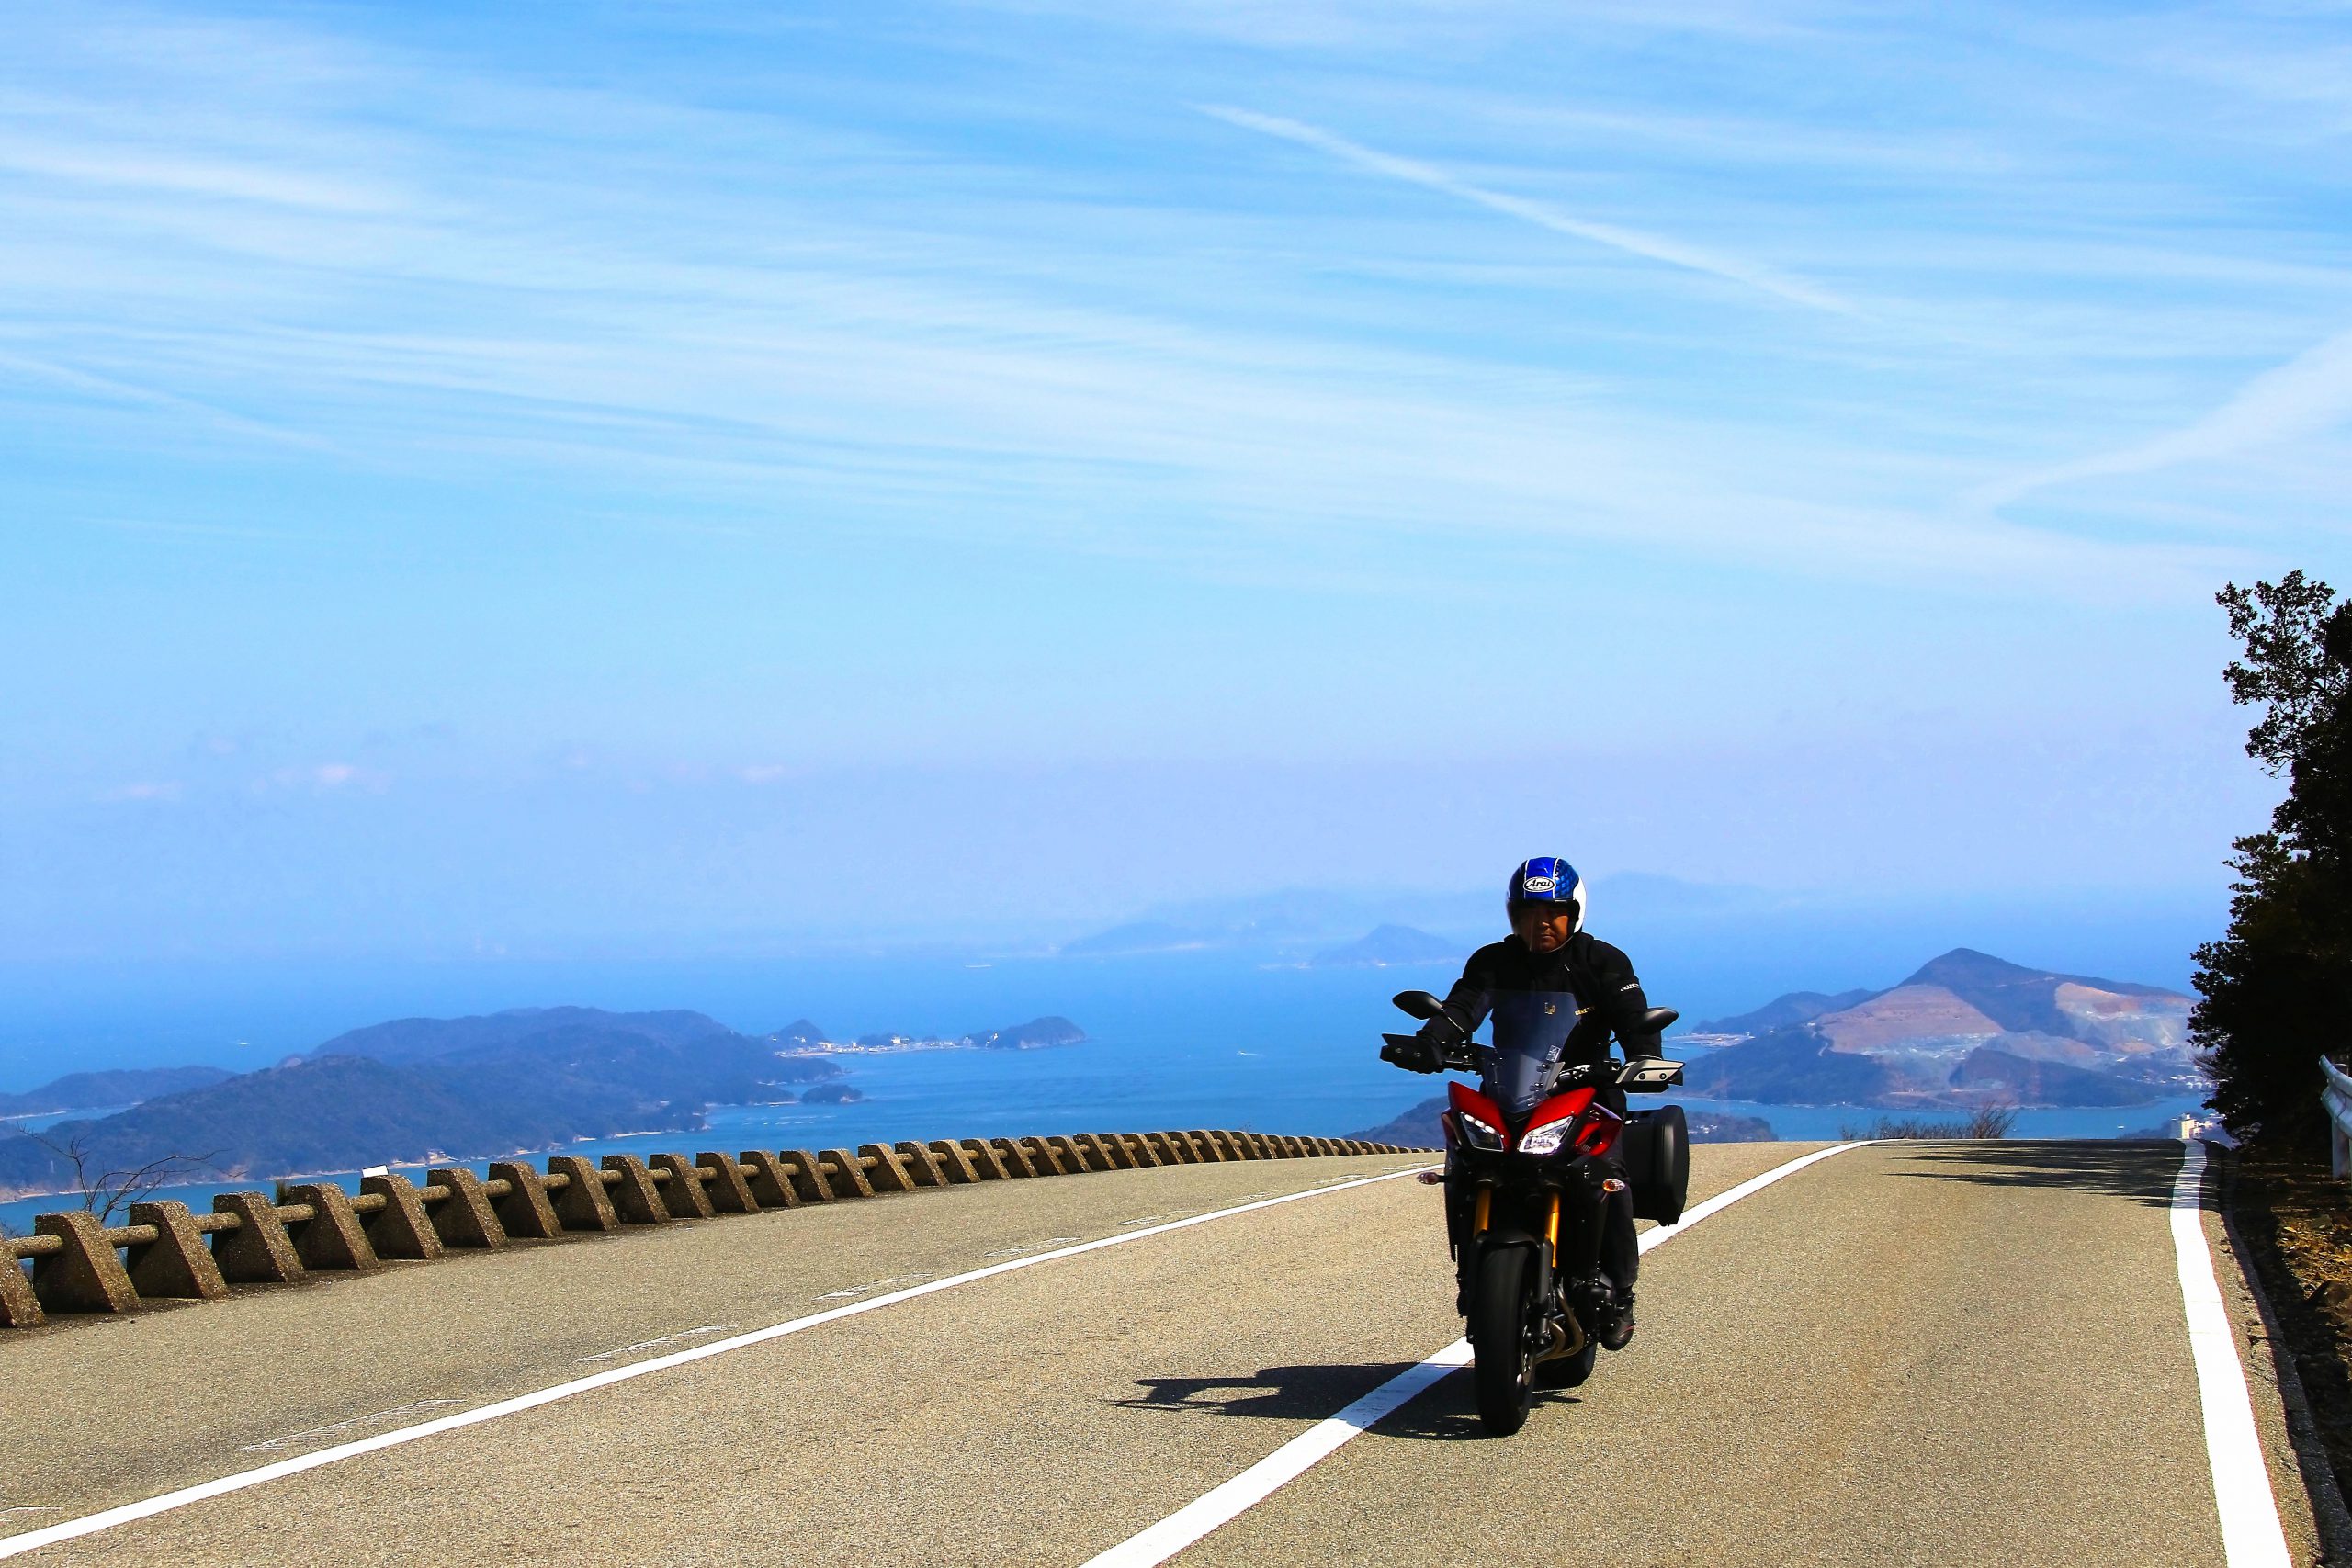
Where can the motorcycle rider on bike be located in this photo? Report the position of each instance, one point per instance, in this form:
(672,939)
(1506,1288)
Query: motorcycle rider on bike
(1549,950)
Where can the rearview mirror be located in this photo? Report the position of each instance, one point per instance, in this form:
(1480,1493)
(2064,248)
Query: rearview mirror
(1657,1021)
(1420,1004)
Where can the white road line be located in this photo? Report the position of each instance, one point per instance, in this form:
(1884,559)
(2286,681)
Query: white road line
(1288,1463)
(645,1345)
(2251,1536)
(394,1414)
(91,1524)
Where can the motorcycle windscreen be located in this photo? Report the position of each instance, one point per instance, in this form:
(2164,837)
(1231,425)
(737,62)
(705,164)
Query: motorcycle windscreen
(1532,1031)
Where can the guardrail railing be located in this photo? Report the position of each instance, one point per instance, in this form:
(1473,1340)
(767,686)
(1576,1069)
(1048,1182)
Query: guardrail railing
(2336,1094)
(82,1265)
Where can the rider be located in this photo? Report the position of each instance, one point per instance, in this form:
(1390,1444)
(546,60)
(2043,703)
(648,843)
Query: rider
(1549,950)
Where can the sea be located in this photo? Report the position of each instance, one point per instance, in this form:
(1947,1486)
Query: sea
(1175,1041)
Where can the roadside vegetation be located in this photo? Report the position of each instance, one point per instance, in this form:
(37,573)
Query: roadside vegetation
(1989,1122)
(2277,988)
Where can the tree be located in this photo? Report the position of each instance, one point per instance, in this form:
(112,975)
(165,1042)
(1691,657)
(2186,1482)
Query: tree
(2276,990)
(103,1192)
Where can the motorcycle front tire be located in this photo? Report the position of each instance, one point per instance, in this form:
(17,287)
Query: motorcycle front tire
(1503,1371)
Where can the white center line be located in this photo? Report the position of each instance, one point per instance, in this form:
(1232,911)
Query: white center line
(1288,1463)
(2251,1536)
(91,1524)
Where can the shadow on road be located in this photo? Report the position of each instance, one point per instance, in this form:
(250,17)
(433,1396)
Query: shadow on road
(1444,1413)
(2143,1172)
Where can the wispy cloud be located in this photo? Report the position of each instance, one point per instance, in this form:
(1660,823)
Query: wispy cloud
(1633,242)
(2310,394)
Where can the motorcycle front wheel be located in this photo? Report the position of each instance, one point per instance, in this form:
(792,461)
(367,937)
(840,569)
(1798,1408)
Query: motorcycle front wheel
(1503,1371)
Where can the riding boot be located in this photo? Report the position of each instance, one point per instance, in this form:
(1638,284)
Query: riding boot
(1618,1331)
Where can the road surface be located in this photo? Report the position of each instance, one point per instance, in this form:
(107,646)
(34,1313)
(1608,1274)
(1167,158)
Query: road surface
(1900,1354)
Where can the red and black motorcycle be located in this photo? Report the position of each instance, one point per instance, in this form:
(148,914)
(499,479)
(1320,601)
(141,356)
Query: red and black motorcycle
(1528,1174)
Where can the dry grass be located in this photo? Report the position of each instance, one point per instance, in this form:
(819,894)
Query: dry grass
(1993,1122)
(2296,1221)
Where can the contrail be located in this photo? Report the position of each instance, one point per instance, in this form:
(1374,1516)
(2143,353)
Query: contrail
(1631,241)
(2310,393)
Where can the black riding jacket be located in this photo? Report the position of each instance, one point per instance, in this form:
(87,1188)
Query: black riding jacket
(1609,994)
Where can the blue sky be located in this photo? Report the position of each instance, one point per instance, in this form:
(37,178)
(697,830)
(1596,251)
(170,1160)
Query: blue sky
(679,476)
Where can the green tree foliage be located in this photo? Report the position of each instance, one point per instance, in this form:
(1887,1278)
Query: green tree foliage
(2276,989)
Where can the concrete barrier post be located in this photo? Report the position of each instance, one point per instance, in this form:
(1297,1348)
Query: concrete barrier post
(1015,1155)
(1222,1145)
(808,1177)
(923,1166)
(1067,1157)
(83,1275)
(635,1198)
(331,1238)
(465,1217)
(1139,1148)
(986,1165)
(1112,1149)
(728,1192)
(884,1169)
(846,1174)
(399,1229)
(682,1193)
(258,1251)
(953,1160)
(525,1210)
(770,1182)
(19,1308)
(177,1263)
(1044,1158)
(1169,1148)
(581,1204)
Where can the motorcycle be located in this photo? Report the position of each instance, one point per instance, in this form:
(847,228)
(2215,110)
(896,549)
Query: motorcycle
(1528,1178)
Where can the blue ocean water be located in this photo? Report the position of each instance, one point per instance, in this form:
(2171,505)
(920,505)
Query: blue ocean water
(1233,1045)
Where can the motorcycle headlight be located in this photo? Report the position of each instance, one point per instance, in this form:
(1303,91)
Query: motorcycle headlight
(1544,1140)
(1476,1132)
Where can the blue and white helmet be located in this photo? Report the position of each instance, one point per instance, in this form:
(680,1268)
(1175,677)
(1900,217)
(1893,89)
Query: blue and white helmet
(1548,879)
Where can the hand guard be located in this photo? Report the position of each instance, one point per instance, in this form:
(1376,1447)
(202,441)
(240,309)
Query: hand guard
(1421,1054)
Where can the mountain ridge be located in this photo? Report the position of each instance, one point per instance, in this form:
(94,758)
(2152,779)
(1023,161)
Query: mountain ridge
(460,1089)
(1965,1029)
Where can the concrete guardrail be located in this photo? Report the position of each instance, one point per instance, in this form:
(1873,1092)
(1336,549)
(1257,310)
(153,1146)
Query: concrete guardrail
(2336,1094)
(79,1264)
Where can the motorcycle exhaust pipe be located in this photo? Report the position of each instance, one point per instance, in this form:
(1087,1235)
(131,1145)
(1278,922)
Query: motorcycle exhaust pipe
(1567,1339)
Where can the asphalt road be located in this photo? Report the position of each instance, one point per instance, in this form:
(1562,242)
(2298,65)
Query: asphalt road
(1904,1354)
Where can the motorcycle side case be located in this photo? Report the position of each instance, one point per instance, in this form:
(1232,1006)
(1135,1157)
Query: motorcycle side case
(1656,1146)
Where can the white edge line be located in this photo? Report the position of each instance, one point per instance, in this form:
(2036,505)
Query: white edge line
(91,1524)
(2251,1536)
(1188,1524)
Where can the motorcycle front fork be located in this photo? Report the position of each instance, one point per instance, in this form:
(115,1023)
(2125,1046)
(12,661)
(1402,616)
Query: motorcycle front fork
(1579,1271)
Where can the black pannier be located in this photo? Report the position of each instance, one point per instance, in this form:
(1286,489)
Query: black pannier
(1656,1150)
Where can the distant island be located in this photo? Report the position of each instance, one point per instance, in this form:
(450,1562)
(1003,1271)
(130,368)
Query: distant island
(419,1089)
(107,1090)
(803,1038)
(1386,946)
(1966,1030)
